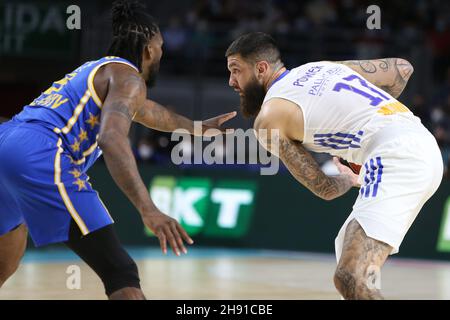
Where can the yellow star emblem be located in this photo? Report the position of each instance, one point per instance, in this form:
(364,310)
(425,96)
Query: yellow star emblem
(81,184)
(93,120)
(82,136)
(76,173)
(75,146)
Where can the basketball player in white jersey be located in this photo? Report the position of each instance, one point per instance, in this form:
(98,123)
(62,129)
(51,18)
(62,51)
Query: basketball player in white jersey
(349,110)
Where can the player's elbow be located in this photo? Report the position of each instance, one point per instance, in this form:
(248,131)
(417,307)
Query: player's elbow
(107,140)
(405,68)
(409,67)
(103,141)
(326,196)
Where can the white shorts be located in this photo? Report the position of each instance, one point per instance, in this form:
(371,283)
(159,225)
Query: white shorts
(402,170)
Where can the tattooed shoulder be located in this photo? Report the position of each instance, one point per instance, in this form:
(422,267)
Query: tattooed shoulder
(390,74)
(372,66)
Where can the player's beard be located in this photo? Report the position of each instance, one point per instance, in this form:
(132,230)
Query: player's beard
(153,71)
(252,98)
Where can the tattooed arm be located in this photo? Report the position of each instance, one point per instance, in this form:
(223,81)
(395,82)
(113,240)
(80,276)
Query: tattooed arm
(305,169)
(124,96)
(126,93)
(155,116)
(283,123)
(390,74)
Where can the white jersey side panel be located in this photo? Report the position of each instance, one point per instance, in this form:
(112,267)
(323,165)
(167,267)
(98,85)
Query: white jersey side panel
(341,110)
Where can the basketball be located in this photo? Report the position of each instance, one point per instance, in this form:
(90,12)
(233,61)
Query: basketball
(356,168)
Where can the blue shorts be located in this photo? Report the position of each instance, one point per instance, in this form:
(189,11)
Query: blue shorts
(42,187)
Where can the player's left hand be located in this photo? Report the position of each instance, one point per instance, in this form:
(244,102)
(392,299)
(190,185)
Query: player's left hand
(347,171)
(168,230)
(216,123)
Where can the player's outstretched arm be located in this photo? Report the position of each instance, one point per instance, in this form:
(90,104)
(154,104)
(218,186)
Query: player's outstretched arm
(126,93)
(155,116)
(278,128)
(389,74)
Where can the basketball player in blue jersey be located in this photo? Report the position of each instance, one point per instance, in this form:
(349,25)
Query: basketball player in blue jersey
(46,150)
(349,110)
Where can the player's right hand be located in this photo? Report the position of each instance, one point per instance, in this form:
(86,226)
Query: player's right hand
(168,230)
(213,127)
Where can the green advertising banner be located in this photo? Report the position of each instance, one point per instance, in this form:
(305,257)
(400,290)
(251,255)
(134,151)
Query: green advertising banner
(214,209)
(231,209)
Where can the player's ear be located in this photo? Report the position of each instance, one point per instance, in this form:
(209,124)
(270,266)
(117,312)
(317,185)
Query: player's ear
(148,52)
(261,68)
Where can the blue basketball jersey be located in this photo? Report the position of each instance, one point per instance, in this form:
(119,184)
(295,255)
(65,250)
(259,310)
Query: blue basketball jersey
(72,109)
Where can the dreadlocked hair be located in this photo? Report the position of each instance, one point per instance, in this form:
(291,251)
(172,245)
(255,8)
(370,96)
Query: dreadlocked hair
(133,28)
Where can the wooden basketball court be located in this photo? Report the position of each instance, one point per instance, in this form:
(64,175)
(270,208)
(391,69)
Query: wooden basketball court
(223,274)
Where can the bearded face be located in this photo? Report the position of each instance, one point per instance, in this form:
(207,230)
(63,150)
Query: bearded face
(252,98)
(153,70)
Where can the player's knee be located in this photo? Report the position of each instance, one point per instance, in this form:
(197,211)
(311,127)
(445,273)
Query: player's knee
(121,276)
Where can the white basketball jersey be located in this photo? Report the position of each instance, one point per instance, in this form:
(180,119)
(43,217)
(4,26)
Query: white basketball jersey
(341,110)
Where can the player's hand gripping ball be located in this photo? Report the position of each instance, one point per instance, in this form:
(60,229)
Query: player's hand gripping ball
(356,168)
(349,169)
